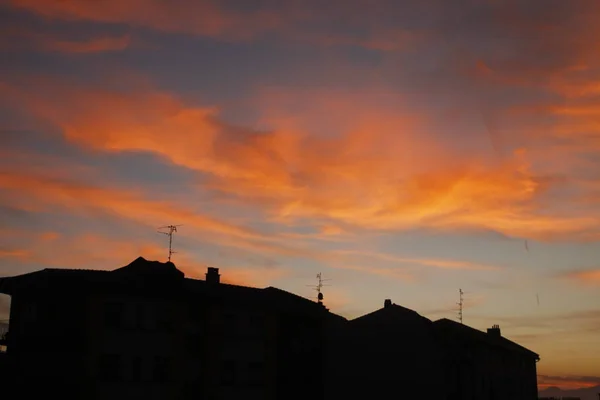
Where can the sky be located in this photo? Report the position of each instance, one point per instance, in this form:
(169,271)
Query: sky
(403,149)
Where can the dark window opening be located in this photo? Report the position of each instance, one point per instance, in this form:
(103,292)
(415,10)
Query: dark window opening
(113,315)
(110,367)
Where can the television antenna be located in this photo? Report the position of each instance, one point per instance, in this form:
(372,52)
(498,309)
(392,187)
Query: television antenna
(460,306)
(319,286)
(171,229)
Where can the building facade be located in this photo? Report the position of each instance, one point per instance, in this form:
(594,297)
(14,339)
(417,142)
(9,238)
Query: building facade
(146,331)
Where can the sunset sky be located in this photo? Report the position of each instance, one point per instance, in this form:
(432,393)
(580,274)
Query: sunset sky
(405,149)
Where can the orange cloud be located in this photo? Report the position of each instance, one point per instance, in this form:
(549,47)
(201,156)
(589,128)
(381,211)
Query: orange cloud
(380,169)
(434,263)
(256,277)
(84,250)
(38,191)
(50,236)
(567,382)
(588,277)
(128,204)
(14,253)
(394,273)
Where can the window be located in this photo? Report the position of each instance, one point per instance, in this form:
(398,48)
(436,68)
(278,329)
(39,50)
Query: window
(110,367)
(136,369)
(161,369)
(113,314)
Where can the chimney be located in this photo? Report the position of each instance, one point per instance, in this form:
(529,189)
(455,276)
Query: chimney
(387,303)
(494,330)
(212,275)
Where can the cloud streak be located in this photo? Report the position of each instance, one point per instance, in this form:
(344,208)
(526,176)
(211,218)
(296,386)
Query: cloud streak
(567,382)
(23,38)
(203,17)
(589,277)
(380,170)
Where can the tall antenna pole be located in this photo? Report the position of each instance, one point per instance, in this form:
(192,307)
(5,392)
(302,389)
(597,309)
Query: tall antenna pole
(171,229)
(460,306)
(319,286)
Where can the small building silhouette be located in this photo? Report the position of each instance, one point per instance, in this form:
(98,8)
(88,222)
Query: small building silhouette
(392,350)
(485,366)
(146,331)
(396,350)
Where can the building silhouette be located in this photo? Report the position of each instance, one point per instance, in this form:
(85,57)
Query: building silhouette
(484,365)
(392,350)
(146,331)
(396,350)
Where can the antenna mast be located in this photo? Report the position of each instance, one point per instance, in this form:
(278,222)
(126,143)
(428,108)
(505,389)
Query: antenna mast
(171,229)
(319,286)
(460,306)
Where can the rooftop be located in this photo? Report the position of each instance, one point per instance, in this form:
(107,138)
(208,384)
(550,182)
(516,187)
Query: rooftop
(158,276)
(467,332)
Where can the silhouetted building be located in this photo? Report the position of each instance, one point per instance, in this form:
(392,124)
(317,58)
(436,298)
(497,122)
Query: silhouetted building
(389,353)
(146,331)
(395,352)
(485,366)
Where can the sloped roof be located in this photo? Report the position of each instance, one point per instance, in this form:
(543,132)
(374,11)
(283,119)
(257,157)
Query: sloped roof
(470,333)
(291,300)
(393,311)
(141,267)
